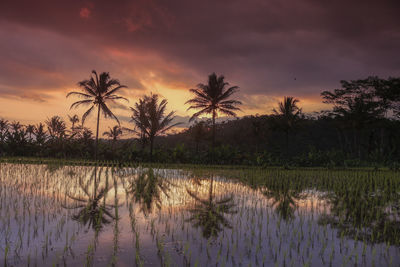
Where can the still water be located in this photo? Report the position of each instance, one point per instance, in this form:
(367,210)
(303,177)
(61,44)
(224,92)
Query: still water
(98,216)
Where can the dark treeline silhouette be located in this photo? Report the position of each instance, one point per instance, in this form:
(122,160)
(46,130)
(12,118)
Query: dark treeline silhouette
(362,128)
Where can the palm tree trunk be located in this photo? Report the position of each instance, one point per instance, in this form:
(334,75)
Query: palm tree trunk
(213,129)
(97,133)
(287,143)
(113,148)
(340,139)
(151,149)
(382,141)
(143,141)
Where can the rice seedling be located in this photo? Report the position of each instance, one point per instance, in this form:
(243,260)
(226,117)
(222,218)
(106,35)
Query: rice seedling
(102,216)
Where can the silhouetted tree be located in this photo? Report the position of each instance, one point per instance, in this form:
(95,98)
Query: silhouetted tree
(97,92)
(288,114)
(358,105)
(113,133)
(40,134)
(16,138)
(139,118)
(56,128)
(198,132)
(4,126)
(29,130)
(213,98)
(150,118)
(74,120)
(257,126)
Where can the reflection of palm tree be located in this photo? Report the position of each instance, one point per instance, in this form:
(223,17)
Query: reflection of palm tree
(209,213)
(92,208)
(284,200)
(146,190)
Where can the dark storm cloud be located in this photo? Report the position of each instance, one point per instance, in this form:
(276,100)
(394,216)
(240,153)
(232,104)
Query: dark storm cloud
(266,47)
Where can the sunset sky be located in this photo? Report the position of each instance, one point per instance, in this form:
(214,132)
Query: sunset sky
(268,48)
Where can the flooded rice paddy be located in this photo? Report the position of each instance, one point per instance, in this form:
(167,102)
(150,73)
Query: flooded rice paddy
(103,216)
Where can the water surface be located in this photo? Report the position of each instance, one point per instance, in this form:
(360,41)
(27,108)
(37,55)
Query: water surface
(74,216)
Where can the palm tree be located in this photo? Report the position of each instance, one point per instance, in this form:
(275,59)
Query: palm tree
(113,134)
(288,114)
(30,131)
(213,98)
(56,127)
(40,134)
(4,126)
(97,92)
(139,117)
(150,119)
(73,119)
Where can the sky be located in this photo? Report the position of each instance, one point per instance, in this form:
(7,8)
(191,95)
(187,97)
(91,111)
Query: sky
(269,48)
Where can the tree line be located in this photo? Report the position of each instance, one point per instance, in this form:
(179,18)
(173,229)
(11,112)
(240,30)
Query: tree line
(362,128)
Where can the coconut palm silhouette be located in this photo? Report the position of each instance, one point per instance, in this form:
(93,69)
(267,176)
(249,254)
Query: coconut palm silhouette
(150,118)
(288,114)
(213,98)
(97,92)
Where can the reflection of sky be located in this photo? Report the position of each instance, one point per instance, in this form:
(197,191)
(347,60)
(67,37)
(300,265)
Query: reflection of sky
(31,198)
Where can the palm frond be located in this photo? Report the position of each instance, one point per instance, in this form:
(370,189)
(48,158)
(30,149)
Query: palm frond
(79,103)
(87,113)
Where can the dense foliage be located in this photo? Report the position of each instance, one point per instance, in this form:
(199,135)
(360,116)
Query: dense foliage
(361,129)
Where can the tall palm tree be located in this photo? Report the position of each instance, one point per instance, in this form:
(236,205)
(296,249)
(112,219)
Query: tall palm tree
(150,118)
(97,92)
(288,114)
(213,98)
(139,118)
